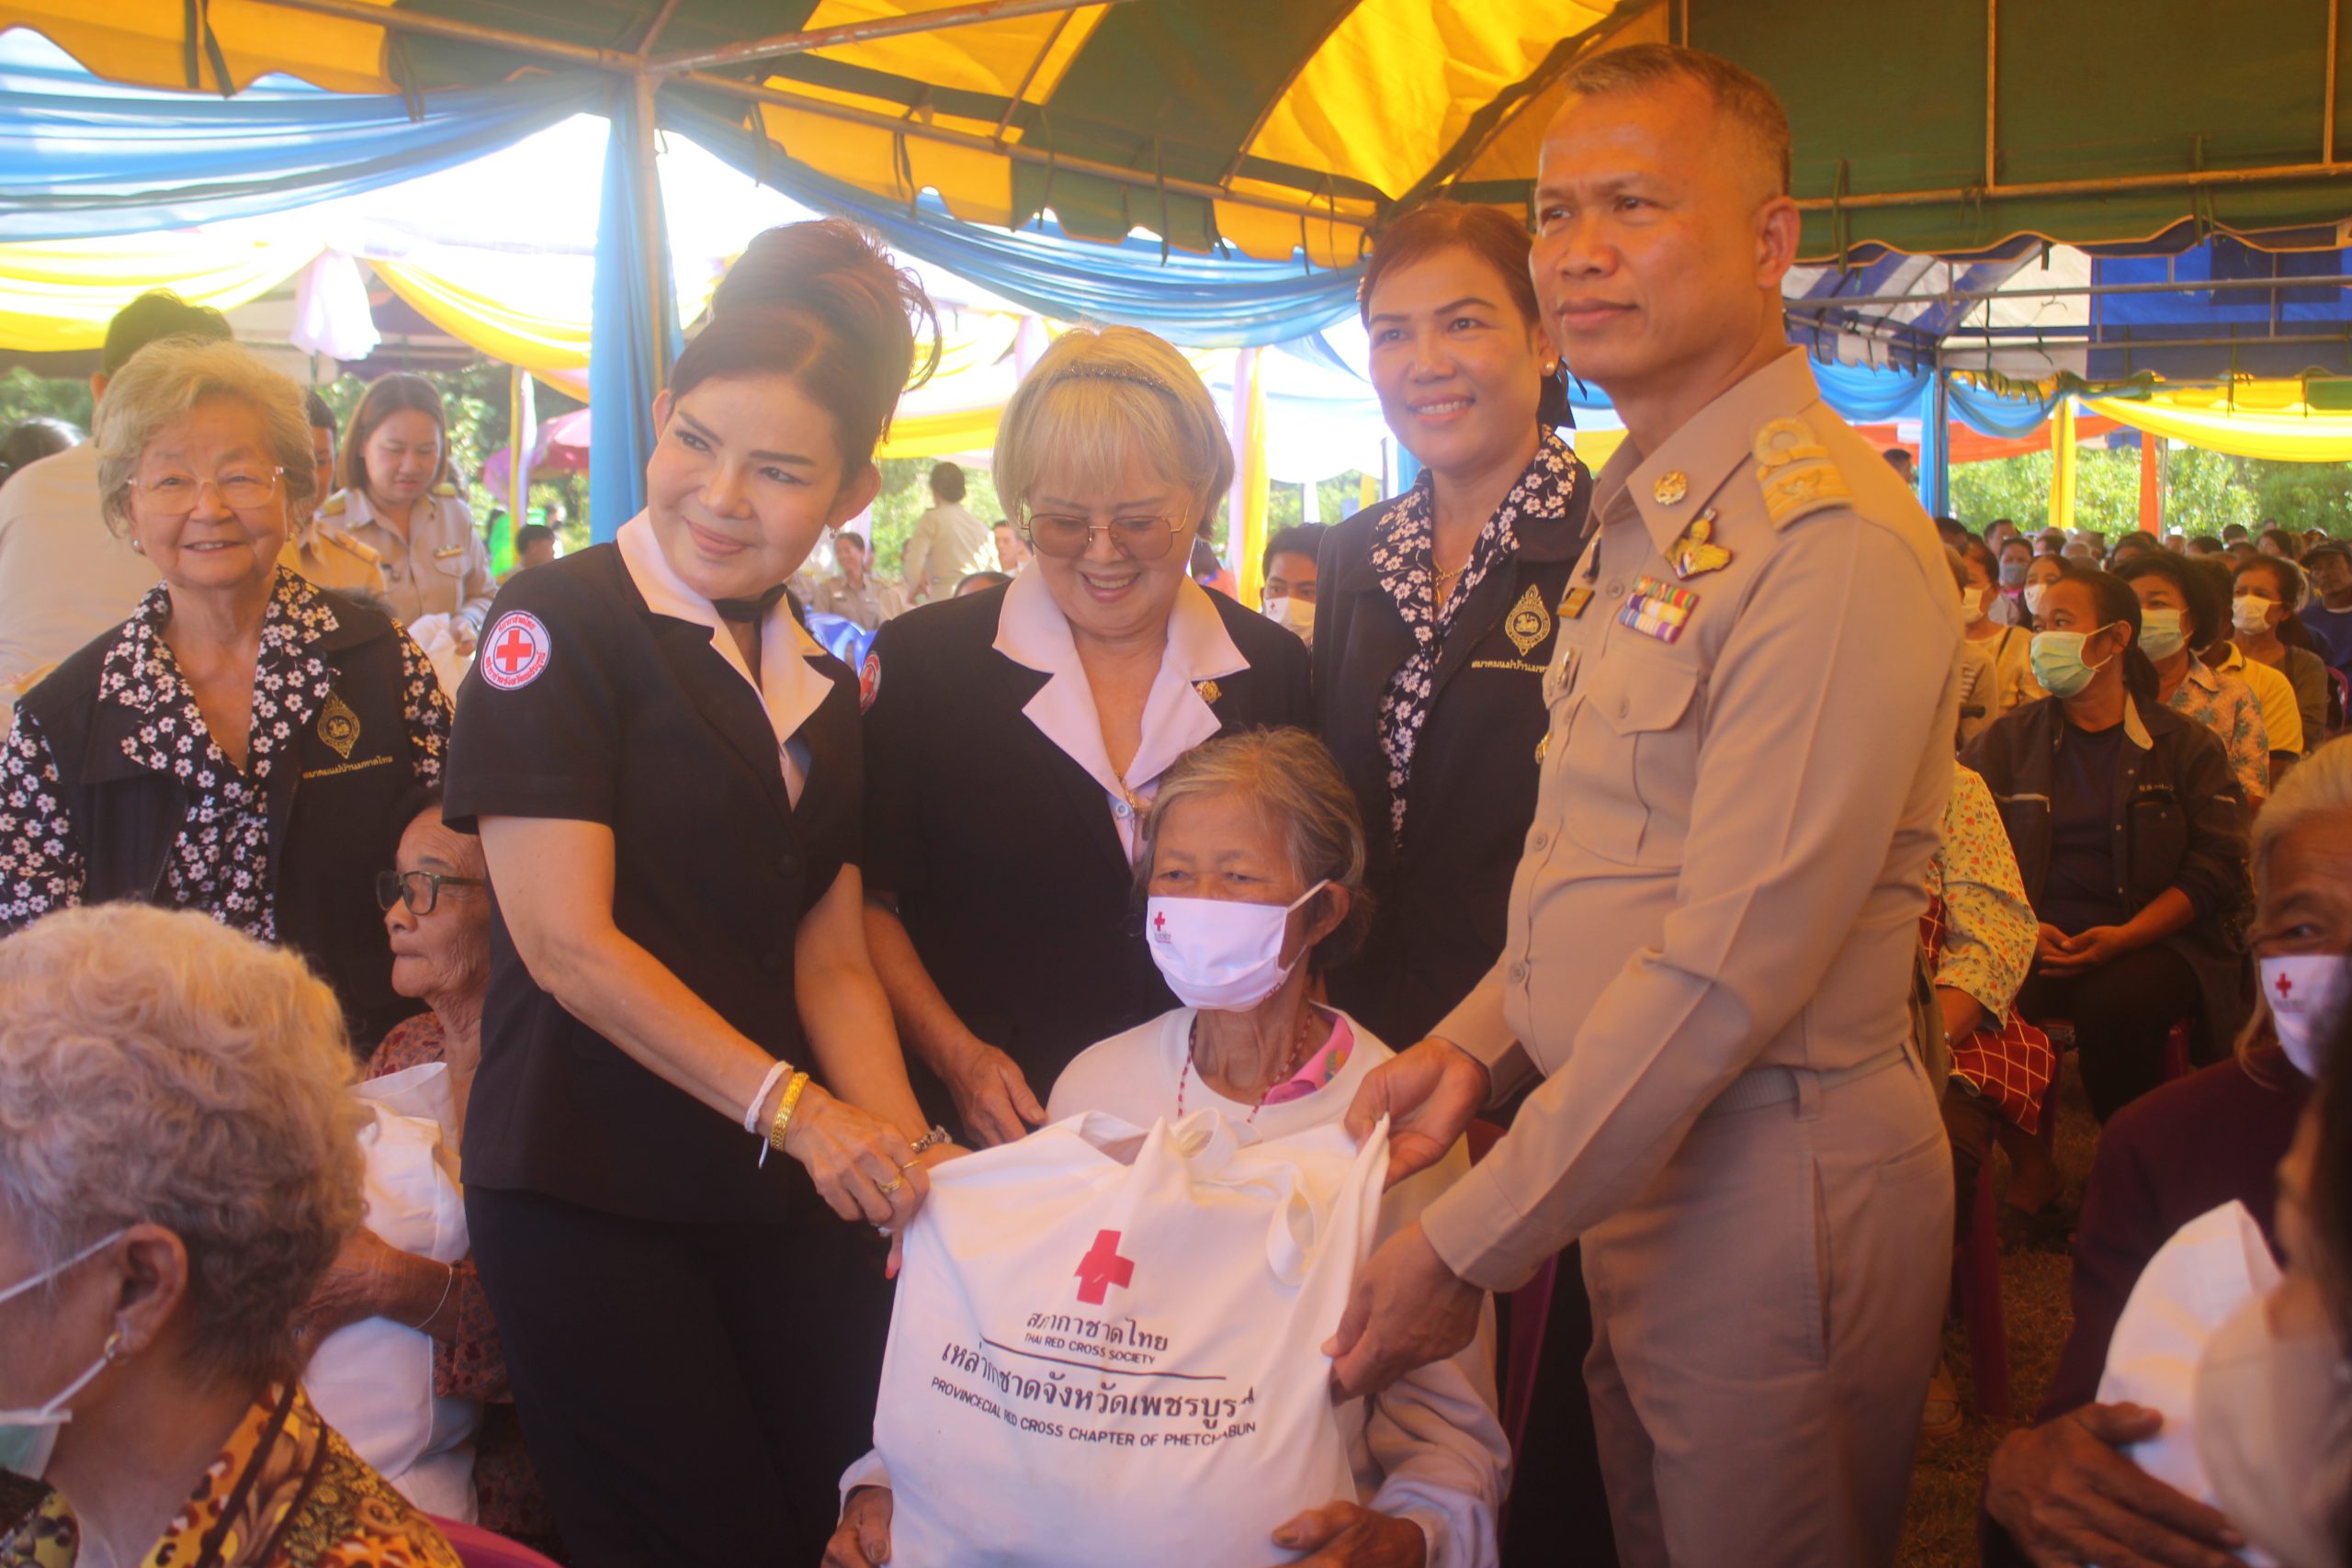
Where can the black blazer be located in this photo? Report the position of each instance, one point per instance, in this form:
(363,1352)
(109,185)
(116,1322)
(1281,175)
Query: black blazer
(639,723)
(1440,902)
(1001,852)
(334,821)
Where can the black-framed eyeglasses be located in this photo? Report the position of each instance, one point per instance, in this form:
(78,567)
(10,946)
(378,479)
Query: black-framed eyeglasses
(420,890)
(1137,538)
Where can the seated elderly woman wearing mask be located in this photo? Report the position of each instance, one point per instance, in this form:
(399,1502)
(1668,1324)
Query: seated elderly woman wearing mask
(1254,852)
(2067,1489)
(179,1163)
(436,914)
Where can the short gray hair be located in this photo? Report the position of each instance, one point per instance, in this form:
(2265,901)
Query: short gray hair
(159,1067)
(164,381)
(1740,96)
(1097,395)
(1295,784)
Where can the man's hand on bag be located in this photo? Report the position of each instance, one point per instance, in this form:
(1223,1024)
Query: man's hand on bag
(2066,1497)
(930,1159)
(863,1538)
(1428,1094)
(1347,1535)
(993,1096)
(1407,1310)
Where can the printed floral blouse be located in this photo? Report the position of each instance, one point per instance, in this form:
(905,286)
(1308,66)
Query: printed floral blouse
(286,1492)
(2226,706)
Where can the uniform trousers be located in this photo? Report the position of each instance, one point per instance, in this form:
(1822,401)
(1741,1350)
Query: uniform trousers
(691,1394)
(2121,1012)
(1766,1317)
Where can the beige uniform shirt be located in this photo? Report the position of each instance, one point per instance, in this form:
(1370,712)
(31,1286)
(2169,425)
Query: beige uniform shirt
(441,568)
(1740,796)
(335,560)
(946,544)
(868,606)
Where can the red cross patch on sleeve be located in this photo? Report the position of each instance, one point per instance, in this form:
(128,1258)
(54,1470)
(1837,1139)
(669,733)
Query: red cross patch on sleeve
(515,652)
(870,682)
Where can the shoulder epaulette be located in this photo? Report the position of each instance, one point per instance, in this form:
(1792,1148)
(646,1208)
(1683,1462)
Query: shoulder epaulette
(1795,471)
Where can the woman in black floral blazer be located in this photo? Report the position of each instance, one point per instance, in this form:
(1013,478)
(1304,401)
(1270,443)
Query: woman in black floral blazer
(243,744)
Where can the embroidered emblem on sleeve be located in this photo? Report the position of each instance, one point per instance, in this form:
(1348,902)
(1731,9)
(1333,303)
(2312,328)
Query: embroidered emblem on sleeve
(870,682)
(515,652)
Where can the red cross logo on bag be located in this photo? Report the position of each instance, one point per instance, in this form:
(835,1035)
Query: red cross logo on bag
(1103,1267)
(515,651)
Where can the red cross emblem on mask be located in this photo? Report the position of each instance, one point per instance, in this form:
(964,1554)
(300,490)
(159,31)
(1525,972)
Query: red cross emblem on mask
(1103,1267)
(515,652)
(2284,988)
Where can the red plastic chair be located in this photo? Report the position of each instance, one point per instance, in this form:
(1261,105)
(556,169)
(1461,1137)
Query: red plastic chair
(478,1547)
(1530,1311)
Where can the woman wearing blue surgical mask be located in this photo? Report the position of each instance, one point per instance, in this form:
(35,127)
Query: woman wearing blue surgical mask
(1980,603)
(2129,833)
(2015,558)
(2067,1489)
(2179,612)
(1251,871)
(179,1161)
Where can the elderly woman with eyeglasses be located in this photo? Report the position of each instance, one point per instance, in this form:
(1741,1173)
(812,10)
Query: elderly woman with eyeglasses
(240,744)
(1015,735)
(435,895)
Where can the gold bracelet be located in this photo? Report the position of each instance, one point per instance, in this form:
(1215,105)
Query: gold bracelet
(784,1109)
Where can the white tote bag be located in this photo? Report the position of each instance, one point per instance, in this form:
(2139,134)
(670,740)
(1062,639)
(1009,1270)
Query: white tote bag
(1107,1346)
(372,1381)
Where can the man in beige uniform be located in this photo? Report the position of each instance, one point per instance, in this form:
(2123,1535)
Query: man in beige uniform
(318,550)
(1710,936)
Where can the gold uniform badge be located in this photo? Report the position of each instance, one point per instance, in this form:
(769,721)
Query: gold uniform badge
(338,725)
(1529,622)
(1209,691)
(1696,552)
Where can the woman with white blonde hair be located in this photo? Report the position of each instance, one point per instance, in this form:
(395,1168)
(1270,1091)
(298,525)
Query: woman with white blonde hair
(1015,736)
(179,1162)
(241,744)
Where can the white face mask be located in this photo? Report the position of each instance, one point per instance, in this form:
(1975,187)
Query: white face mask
(2033,593)
(2271,1413)
(1220,954)
(27,1437)
(1298,615)
(1972,608)
(2250,613)
(2302,992)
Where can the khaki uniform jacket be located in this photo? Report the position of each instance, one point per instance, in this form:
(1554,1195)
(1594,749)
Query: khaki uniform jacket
(946,544)
(331,559)
(441,568)
(1732,826)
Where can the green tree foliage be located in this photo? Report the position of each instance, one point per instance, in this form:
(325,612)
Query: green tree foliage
(24,396)
(2203,492)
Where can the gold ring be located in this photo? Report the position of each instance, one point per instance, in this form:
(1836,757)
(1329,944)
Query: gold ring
(891,1185)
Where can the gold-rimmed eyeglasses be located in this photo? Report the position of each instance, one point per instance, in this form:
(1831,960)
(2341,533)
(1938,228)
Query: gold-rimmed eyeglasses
(241,490)
(1137,538)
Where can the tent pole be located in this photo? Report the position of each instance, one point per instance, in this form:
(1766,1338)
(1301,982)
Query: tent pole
(649,218)
(1992,93)
(1978,296)
(808,39)
(1939,410)
(2327,102)
(2152,483)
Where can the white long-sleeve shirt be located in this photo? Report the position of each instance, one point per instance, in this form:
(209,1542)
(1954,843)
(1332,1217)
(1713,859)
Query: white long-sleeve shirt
(1430,1448)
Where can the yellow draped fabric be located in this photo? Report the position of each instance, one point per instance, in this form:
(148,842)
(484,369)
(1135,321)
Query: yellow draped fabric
(470,313)
(1395,86)
(59,294)
(2259,420)
(2061,472)
(140,42)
